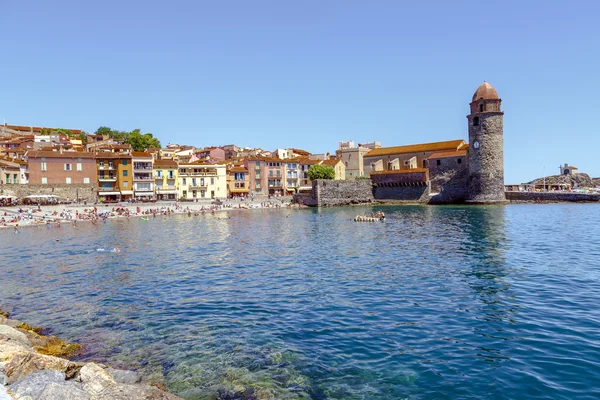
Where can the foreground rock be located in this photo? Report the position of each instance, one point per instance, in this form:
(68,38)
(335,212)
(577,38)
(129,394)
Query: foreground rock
(35,367)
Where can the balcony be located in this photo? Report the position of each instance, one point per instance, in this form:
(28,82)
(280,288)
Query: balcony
(102,178)
(142,168)
(106,167)
(106,189)
(143,178)
(191,173)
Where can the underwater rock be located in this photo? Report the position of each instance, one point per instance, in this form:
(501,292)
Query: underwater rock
(124,376)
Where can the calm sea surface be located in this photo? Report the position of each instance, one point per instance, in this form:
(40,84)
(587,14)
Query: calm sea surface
(435,303)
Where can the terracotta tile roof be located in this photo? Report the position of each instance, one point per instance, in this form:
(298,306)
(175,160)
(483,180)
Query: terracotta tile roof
(400,171)
(35,129)
(58,154)
(332,162)
(572,167)
(110,154)
(165,163)
(306,161)
(141,154)
(448,154)
(451,145)
(300,152)
(238,169)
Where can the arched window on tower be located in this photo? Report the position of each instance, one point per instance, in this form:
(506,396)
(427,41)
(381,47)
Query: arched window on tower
(482,107)
(475,121)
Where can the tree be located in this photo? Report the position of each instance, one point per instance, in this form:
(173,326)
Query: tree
(321,172)
(141,142)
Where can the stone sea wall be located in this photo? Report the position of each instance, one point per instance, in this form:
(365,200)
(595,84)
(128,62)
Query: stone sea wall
(551,197)
(327,193)
(36,367)
(87,193)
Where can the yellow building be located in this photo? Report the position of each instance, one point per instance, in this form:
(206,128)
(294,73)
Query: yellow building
(199,180)
(166,175)
(115,176)
(238,181)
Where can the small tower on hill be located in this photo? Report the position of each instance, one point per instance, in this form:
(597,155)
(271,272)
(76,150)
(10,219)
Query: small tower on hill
(486,148)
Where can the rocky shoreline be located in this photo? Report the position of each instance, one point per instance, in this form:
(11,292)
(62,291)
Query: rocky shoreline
(37,367)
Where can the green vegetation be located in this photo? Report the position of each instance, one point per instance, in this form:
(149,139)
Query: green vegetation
(139,141)
(321,172)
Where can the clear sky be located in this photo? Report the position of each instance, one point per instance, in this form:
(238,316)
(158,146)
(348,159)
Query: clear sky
(309,74)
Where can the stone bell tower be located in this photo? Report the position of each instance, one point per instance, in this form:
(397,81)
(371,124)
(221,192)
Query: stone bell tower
(486,148)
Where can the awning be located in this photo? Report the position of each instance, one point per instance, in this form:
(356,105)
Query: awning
(7,197)
(304,188)
(168,192)
(109,193)
(291,189)
(137,193)
(238,190)
(127,192)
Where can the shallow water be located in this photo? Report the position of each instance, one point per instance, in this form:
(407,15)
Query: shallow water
(435,303)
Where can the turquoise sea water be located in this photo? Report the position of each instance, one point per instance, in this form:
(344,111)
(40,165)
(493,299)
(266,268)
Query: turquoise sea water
(435,303)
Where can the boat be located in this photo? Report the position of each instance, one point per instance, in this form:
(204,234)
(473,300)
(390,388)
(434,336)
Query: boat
(360,218)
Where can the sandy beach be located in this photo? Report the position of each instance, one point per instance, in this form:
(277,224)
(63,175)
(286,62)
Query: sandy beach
(57,215)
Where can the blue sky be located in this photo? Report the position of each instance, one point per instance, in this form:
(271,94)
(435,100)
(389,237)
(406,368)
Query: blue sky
(309,74)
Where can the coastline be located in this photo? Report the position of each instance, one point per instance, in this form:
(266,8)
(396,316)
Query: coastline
(33,365)
(57,215)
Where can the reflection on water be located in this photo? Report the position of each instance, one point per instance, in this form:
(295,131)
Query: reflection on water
(437,302)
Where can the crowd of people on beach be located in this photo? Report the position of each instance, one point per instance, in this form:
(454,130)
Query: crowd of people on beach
(95,214)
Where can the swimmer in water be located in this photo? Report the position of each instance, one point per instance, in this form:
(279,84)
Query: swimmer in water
(116,250)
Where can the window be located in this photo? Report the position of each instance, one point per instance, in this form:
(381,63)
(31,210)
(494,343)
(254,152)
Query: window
(258,185)
(278,173)
(159,174)
(258,164)
(125,184)
(110,164)
(44,181)
(125,172)
(258,175)
(68,180)
(68,167)
(202,182)
(15,178)
(184,181)
(7,180)
(194,193)
(124,163)
(438,162)
(271,173)
(79,166)
(86,180)
(460,160)
(101,164)
(482,107)
(193,181)
(43,166)
(475,121)
(185,193)
(212,181)
(171,174)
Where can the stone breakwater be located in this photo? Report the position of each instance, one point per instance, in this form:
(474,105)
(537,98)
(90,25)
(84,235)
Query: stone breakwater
(36,367)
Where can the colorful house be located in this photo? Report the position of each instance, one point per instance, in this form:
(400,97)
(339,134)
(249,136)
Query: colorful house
(165,179)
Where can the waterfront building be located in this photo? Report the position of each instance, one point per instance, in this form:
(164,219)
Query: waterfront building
(13,172)
(61,167)
(352,157)
(407,157)
(238,181)
(275,172)
(257,174)
(201,180)
(115,175)
(166,175)
(143,181)
(304,164)
(293,176)
(338,167)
